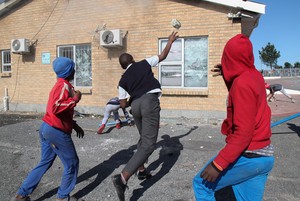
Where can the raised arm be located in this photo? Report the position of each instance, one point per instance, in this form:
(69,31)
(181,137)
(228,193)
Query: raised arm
(166,50)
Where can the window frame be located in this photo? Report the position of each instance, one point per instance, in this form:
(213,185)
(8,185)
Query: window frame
(3,65)
(74,46)
(169,63)
(181,62)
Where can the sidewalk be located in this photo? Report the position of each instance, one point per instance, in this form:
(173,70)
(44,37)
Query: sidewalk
(283,106)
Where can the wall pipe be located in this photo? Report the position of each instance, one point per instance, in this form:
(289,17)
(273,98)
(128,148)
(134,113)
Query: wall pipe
(5,100)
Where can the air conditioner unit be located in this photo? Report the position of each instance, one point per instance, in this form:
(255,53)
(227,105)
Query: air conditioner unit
(20,45)
(111,38)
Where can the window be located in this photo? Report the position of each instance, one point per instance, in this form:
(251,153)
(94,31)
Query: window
(6,61)
(186,65)
(82,56)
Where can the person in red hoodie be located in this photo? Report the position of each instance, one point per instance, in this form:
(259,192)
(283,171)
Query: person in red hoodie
(55,135)
(240,169)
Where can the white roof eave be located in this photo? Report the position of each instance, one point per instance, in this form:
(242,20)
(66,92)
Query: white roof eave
(245,5)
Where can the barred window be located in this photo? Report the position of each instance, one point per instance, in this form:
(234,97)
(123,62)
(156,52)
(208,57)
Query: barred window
(82,56)
(6,61)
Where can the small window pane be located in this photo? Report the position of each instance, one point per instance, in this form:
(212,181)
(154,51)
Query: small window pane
(83,66)
(6,68)
(195,62)
(66,52)
(171,75)
(6,57)
(175,53)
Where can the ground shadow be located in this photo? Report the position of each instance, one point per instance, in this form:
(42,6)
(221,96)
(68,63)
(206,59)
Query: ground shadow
(294,128)
(103,170)
(169,154)
(285,133)
(108,130)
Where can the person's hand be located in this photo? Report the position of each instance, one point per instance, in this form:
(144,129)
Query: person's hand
(210,173)
(79,131)
(173,36)
(217,70)
(77,96)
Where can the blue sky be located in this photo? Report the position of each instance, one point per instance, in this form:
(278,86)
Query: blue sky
(280,25)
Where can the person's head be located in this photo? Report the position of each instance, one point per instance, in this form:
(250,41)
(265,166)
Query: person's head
(125,59)
(64,68)
(237,58)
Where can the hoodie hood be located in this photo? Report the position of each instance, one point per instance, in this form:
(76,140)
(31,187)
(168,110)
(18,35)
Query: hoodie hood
(237,58)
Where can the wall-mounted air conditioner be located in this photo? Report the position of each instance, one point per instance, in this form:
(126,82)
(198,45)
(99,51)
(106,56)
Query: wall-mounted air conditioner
(20,45)
(111,38)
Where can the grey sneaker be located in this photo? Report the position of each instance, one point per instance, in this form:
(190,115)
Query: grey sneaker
(27,198)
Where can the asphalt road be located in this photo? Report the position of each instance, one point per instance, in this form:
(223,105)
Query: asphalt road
(184,146)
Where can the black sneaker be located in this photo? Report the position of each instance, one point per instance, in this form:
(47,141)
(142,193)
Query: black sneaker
(120,186)
(144,175)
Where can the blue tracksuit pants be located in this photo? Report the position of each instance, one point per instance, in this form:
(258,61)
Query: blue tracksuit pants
(54,143)
(247,176)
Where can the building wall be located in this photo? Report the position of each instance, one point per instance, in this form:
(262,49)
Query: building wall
(48,23)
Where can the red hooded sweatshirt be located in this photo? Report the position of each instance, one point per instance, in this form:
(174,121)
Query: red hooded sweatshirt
(60,107)
(247,126)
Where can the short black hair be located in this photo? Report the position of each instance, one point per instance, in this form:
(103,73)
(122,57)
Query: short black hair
(125,59)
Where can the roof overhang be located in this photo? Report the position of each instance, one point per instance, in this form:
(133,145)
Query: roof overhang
(7,5)
(241,4)
(246,12)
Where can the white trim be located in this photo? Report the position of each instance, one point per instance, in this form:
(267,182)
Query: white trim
(8,5)
(246,5)
(5,4)
(292,91)
(271,78)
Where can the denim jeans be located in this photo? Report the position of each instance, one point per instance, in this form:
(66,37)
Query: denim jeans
(247,176)
(54,143)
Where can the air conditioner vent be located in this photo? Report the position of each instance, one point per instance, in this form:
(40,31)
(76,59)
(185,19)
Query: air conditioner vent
(20,45)
(111,38)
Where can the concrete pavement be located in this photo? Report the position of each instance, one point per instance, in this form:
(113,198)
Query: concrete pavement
(282,106)
(184,146)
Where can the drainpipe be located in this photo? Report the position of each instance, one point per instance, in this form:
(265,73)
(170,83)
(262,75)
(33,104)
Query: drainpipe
(5,100)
